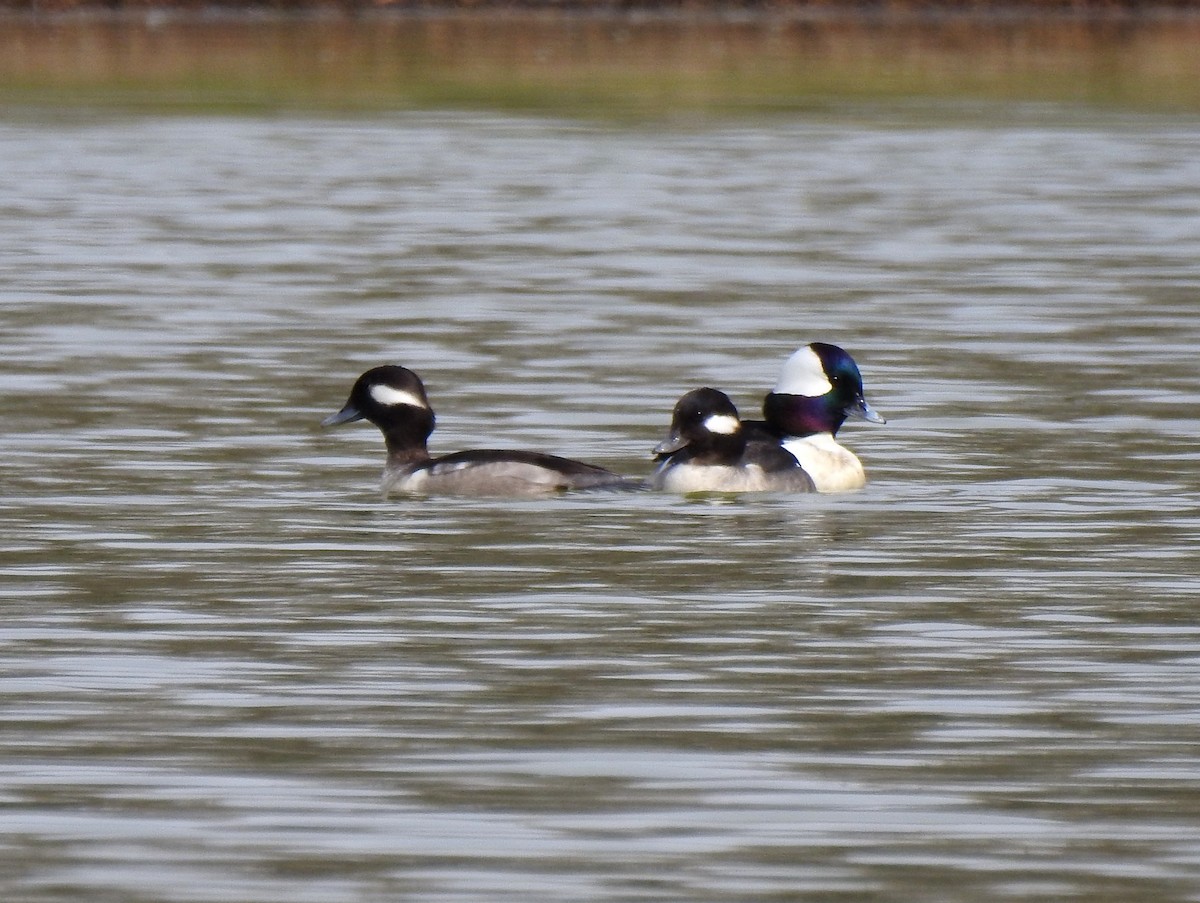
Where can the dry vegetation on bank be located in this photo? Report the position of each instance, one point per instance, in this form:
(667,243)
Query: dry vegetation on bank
(769,8)
(597,59)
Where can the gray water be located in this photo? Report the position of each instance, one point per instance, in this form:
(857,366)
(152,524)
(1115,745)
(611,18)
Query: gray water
(232,672)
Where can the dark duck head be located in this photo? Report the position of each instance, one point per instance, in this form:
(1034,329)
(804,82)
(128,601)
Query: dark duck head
(818,389)
(705,423)
(393,398)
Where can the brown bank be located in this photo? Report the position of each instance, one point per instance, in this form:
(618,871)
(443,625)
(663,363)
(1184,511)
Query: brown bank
(595,59)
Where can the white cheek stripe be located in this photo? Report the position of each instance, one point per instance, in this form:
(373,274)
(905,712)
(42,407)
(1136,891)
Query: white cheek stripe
(390,397)
(725,424)
(803,374)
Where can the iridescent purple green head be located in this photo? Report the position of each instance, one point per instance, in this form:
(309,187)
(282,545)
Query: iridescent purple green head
(819,387)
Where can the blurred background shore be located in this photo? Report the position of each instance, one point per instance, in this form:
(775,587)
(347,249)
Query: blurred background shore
(595,59)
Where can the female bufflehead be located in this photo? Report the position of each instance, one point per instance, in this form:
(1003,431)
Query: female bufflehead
(707,451)
(393,398)
(819,387)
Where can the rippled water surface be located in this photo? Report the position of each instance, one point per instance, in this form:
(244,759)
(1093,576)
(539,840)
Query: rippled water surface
(229,671)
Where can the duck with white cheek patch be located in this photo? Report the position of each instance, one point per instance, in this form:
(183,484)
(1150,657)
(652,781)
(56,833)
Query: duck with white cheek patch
(707,451)
(818,389)
(393,398)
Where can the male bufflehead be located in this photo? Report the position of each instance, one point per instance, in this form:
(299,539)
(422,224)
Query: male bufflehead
(393,398)
(707,451)
(818,388)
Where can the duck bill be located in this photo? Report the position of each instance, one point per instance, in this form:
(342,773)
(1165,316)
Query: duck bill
(346,415)
(672,443)
(860,410)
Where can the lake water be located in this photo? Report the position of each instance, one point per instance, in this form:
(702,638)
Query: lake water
(232,672)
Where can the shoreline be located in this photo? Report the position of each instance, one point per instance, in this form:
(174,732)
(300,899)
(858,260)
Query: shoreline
(596,61)
(780,12)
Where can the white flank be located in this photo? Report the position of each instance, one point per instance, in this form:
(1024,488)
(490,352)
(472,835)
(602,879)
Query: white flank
(725,424)
(390,397)
(803,374)
(833,467)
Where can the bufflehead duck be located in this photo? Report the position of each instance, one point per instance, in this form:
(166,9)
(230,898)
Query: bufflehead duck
(818,388)
(707,451)
(393,398)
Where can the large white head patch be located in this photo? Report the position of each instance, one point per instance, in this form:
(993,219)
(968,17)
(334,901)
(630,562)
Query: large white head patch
(803,374)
